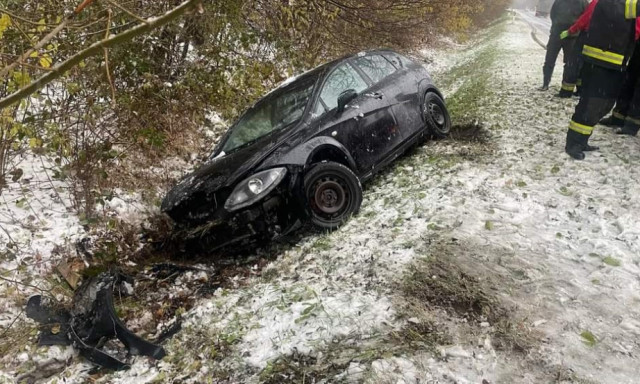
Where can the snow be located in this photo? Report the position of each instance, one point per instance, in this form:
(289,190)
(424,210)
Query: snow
(36,218)
(36,212)
(562,245)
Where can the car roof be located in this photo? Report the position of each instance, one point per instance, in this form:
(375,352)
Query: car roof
(333,63)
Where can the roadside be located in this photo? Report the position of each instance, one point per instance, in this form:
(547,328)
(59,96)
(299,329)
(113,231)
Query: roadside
(488,257)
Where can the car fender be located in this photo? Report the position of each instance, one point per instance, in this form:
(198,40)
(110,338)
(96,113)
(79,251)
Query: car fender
(426,85)
(304,154)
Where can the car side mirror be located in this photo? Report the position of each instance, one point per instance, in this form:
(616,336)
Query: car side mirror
(345,98)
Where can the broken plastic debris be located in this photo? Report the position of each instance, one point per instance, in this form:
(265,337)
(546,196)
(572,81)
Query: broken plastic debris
(90,323)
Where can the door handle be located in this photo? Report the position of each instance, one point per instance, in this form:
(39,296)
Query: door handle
(376,95)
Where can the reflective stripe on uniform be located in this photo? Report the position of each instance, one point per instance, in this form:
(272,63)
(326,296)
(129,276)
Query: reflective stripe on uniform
(580,128)
(579,83)
(568,87)
(597,53)
(631,9)
(619,115)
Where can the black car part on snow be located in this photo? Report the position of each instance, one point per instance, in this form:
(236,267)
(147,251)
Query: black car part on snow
(90,323)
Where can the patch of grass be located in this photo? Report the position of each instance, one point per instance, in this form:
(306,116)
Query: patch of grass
(612,261)
(440,283)
(421,332)
(296,369)
(322,244)
(470,132)
(436,282)
(588,338)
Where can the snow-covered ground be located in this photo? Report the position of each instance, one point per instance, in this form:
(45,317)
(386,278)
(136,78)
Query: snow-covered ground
(554,240)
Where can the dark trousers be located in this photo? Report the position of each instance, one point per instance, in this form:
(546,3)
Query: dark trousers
(628,103)
(572,71)
(600,89)
(555,45)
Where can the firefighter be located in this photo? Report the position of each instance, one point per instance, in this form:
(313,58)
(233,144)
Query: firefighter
(608,47)
(571,78)
(563,14)
(632,74)
(628,103)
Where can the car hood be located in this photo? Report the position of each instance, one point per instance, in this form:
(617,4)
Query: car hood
(223,171)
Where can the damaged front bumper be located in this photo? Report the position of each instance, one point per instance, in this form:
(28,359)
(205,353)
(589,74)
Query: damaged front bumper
(273,216)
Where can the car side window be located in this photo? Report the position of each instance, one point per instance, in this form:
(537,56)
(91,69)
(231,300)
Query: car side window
(343,78)
(375,66)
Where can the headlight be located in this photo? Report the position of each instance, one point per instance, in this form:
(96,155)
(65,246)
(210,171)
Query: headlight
(254,188)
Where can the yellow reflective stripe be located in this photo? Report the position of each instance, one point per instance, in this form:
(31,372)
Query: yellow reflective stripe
(580,128)
(609,57)
(579,84)
(568,87)
(619,115)
(631,9)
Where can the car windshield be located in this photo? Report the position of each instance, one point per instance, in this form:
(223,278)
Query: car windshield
(276,111)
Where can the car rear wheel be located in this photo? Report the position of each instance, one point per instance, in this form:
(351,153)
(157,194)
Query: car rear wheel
(333,194)
(436,115)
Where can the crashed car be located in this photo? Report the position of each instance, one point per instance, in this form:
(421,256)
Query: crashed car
(302,151)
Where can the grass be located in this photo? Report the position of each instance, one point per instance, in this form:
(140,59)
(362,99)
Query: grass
(612,261)
(437,283)
(588,338)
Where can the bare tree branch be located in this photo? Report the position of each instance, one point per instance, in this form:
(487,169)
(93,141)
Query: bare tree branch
(97,48)
(5,71)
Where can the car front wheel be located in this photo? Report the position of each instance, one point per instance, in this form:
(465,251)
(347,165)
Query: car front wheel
(333,194)
(436,115)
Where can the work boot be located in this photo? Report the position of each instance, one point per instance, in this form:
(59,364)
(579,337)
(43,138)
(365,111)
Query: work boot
(577,144)
(612,121)
(629,129)
(564,94)
(544,88)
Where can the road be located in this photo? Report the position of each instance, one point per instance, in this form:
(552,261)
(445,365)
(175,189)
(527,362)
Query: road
(540,24)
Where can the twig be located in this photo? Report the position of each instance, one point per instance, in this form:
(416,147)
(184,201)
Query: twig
(45,40)
(96,48)
(8,235)
(128,12)
(106,62)
(51,182)
(24,284)
(11,325)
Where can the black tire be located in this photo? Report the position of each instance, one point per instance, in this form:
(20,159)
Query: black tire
(436,115)
(332,193)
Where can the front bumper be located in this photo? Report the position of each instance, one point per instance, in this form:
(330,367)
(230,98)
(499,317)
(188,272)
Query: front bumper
(274,215)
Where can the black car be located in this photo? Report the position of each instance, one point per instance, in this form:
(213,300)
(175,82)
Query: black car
(302,151)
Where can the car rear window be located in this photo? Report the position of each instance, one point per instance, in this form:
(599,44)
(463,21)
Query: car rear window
(398,60)
(375,66)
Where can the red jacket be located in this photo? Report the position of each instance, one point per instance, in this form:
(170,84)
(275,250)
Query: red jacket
(582,24)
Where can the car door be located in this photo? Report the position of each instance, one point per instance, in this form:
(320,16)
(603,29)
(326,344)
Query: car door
(407,107)
(382,134)
(367,127)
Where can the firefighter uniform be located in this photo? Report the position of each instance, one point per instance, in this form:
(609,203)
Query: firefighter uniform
(571,78)
(628,103)
(608,47)
(563,14)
